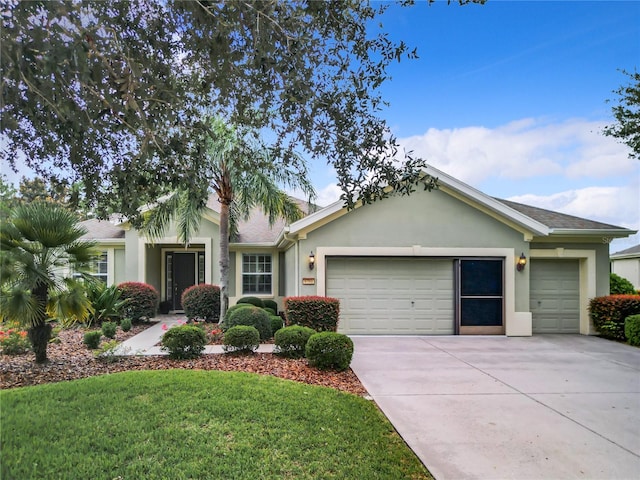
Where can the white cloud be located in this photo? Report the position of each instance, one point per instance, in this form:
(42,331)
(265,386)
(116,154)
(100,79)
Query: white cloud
(612,205)
(522,149)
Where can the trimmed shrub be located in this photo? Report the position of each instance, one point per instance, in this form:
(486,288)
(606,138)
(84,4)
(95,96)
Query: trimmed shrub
(241,338)
(142,300)
(620,286)
(184,341)
(291,341)
(319,313)
(202,302)
(109,329)
(632,329)
(272,304)
(253,317)
(608,314)
(329,350)
(235,308)
(125,324)
(92,339)
(276,323)
(255,301)
(270,311)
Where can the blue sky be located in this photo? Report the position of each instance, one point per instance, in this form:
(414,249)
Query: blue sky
(510,97)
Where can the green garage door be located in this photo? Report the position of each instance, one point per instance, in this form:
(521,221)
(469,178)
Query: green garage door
(555,296)
(394,296)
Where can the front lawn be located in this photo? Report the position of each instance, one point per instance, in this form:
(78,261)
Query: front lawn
(181,424)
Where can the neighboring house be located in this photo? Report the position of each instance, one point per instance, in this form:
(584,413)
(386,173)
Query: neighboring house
(627,264)
(440,262)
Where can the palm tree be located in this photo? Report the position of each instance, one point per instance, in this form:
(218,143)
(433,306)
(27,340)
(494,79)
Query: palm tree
(41,251)
(243,175)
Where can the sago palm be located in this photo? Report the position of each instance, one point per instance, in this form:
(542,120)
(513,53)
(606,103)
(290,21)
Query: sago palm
(243,175)
(41,251)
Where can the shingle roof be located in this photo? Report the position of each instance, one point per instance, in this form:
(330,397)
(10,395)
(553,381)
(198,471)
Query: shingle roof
(556,220)
(629,251)
(101,230)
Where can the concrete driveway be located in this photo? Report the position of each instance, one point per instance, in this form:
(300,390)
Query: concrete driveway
(541,407)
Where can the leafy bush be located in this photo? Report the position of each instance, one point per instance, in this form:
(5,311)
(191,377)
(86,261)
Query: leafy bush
(109,329)
(272,304)
(202,302)
(253,317)
(276,323)
(319,313)
(142,300)
(241,338)
(255,301)
(632,329)
(184,341)
(107,303)
(291,341)
(329,350)
(620,286)
(608,314)
(233,309)
(92,339)
(270,311)
(125,324)
(14,341)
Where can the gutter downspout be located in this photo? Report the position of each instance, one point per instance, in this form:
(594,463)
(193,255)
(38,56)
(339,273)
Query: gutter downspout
(296,246)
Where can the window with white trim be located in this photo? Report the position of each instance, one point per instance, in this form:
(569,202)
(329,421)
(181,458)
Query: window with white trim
(256,274)
(99,267)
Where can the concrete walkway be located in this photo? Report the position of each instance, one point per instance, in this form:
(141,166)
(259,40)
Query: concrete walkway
(146,342)
(541,407)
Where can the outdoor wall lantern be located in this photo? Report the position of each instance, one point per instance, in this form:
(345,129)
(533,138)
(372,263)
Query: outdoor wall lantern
(312,261)
(522,261)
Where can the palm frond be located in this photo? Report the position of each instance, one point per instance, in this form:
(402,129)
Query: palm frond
(21,306)
(190,209)
(70,306)
(158,219)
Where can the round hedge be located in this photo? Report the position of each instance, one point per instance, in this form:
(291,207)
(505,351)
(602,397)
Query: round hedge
(276,323)
(142,300)
(241,338)
(329,350)
(202,302)
(253,317)
(272,304)
(255,301)
(233,309)
(291,341)
(184,341)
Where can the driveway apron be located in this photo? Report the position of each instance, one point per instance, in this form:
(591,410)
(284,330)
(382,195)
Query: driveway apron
(541,407)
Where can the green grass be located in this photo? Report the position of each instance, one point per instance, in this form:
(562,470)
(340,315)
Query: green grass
(196,424)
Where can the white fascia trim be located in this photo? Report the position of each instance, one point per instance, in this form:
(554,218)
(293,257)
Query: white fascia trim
(316,216)
(489,202)
(610,233)
(626,256)
(112,242)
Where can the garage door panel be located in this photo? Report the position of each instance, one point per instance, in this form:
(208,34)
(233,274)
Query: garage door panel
(392,295)
(555,296)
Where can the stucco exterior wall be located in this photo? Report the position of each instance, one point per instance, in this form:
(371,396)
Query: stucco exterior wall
(628,268)
(119,274)
(426,219)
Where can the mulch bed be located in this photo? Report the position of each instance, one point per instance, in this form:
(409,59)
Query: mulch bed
(69,359)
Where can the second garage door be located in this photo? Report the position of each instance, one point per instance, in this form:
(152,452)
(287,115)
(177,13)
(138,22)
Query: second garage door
(397,296)
(555,296)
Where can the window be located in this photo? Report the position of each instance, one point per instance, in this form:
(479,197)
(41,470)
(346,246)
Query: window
(99,267)
(256,274)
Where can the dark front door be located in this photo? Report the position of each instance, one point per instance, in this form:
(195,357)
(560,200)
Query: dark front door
(184,275)
(480,297)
